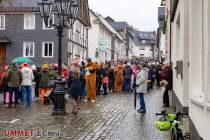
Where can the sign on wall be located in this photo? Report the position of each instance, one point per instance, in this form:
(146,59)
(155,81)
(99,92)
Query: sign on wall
(103,44)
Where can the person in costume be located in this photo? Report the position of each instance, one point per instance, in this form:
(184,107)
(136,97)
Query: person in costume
(118,72)
(90,75)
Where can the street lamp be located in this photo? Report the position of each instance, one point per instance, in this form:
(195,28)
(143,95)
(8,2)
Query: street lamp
(66,11)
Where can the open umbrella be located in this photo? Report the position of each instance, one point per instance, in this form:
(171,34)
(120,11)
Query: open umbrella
(21,60)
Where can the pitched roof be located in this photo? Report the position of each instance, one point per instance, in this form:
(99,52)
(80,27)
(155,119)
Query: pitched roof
(138,36)
(32,6)
(146,35)
(134,37)
(118,25)
(4,39)
(107,25)
(20,3)
(109,19)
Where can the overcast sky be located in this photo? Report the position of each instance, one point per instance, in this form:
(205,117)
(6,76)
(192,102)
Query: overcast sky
(141,14)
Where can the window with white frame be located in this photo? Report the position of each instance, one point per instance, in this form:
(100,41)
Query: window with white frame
(82,30)
(47,49)
(78,26)
(71,34)
(85,33)
(85,43)
(77,49)
(81,40)
(50,22)
(2,22)
(29,21)
(77,38)
(28,49)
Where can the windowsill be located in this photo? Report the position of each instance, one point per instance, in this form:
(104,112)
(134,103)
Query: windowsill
(29,56)
(207,106)
(2,29)
(48,28)
(29,29)
(197,101)
(47,56)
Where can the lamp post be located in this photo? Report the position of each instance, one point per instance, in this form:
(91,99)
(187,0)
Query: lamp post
(66,11)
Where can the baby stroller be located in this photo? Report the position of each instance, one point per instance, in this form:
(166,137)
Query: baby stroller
(49,96)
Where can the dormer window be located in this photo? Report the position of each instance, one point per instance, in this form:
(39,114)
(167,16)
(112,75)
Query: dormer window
(143,41)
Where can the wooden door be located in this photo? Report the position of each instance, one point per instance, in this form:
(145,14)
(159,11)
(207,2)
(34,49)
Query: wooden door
(2,54)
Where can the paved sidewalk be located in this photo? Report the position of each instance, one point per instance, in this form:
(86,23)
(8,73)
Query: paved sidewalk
(111,117)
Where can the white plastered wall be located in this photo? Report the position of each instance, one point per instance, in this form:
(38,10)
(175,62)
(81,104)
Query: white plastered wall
(180,51)
(199,108)
(93,37)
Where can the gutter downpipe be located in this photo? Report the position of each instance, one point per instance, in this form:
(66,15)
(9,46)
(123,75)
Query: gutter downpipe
(173,9)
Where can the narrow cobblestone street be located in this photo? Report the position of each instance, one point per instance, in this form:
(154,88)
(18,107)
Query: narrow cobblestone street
(111,117)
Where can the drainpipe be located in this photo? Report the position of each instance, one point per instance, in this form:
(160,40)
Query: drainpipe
(173,9)
(87,35)
(113,47)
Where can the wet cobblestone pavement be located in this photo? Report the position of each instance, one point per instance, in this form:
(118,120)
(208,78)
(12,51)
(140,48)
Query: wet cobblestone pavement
(111,117)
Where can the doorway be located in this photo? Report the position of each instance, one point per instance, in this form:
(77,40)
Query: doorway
(2,54)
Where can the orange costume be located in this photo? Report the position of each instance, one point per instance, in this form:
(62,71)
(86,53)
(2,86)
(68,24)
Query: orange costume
(90,77)
(118,78)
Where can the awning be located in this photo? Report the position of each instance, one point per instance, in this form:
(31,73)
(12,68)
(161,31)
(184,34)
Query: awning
(4,39)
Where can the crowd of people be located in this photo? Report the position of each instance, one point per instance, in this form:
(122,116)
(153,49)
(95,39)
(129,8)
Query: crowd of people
(85,81)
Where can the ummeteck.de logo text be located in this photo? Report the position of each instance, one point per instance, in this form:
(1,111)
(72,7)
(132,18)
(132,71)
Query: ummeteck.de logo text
(30,133)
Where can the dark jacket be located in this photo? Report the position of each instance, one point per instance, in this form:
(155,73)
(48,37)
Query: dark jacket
(104,72)
(167,75)
(44,78)
(98,77)
(111,74)
(127,73)
(37,76)
(82,76)
(75,88)
(14,77)
(150,73)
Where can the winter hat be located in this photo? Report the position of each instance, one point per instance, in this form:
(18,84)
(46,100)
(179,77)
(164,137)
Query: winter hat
(24,65)
(3,68)
(33,67)
(45,66)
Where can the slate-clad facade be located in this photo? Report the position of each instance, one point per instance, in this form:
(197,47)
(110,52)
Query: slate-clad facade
(39,36)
